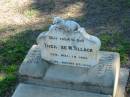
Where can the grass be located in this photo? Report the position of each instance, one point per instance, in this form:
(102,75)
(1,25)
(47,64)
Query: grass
(12,53)
(128,3)
(44,6)
(8,80)
(31,13)
(117,43)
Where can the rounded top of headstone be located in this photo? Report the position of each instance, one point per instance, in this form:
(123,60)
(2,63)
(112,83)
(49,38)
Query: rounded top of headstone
(67,43)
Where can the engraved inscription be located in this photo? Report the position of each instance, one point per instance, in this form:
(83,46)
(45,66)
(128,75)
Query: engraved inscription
(67,44)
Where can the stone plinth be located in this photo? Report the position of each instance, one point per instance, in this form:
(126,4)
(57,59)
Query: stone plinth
(26,90)
(29,90)
(33,65)
(99,79)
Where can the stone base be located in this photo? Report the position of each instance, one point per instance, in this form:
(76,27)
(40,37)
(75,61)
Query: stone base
(28,90)
(124,74)
(102,79)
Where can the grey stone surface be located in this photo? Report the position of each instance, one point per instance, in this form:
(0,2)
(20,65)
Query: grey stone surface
(80,78)
(66,43)
(124,74)
(33,65)
(26,90)
(100,79)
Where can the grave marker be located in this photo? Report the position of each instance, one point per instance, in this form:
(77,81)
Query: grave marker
(67,43)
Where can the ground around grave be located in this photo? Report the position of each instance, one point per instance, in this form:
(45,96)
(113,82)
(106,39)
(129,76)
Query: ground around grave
(21,21)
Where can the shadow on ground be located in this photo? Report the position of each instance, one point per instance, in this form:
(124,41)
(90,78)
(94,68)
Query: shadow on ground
(99,16)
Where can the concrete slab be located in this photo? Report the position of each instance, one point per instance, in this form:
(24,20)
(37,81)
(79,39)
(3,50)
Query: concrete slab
(26,90)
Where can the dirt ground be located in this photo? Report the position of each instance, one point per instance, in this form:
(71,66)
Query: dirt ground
(95,15)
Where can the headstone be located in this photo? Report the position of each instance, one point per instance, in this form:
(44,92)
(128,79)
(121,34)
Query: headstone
(67,43)
(67,62)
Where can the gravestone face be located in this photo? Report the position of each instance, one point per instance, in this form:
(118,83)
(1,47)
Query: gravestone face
(67,43)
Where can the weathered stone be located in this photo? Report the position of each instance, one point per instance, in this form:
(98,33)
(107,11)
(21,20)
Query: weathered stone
(33,65)
(66,43)
(26,90)
(124,74)
(100,79)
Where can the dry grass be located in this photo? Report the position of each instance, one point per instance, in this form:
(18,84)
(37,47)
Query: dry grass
(19,15)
